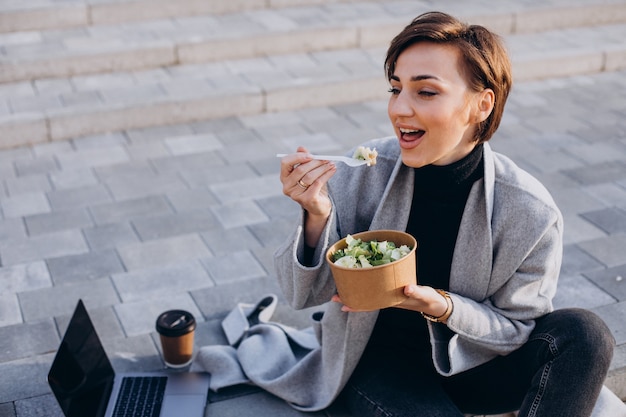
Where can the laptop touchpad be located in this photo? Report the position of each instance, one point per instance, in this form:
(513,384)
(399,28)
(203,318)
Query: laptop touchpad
(183,405)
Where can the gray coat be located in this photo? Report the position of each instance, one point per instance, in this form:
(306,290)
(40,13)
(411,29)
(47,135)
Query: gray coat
(504,270)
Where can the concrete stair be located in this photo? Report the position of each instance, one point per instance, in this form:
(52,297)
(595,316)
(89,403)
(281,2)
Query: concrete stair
(74,68)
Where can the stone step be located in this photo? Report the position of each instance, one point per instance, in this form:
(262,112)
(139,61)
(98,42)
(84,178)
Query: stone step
(20,15)
(56,109)
(30,55)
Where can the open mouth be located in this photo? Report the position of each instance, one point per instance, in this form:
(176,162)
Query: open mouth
(411,134)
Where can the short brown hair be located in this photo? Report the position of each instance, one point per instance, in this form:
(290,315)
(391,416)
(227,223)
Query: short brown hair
(484,60)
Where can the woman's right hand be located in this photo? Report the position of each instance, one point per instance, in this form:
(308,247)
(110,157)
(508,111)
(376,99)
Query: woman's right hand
(305,182)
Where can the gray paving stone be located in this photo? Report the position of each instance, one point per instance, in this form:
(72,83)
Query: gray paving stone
(238,214)
(76,178)
(146,151)
(127,169)
(78,197)
(613,316)
(24,277)
(23,340)
(110,236)
(24,378)
(275,134)
(260,187)
(611,280)
(105,140)
(50,245)
(8,410)
(574,201)
(126,210)
(104,320)
(40,165)
(81,100)
(24,205)
(611,220)
(9,309)
(319,142)
(129,187)
(140,317)
(609,194)
(208,176)
(207,333)
(93,157)
(608,250)
(41,406)
(576,260)
(27,184)
(155,133)
(184,163)
(216,302)
(163,251)
(578,291)
(224,242)
(265,256)
(56,221)
(84,267)
(238,265)
(133,354)
(168,225)
(183,145)
(12,229)
(278,207)
(61,300)
(272,233)
(33,104)
(550,161)
(578,230)
(191,199)
(161,282)
(599,173)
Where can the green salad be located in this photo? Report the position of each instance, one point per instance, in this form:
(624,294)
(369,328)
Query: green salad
(359,254)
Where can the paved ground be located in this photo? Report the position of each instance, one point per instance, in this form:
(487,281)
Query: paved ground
(140,220)
(188,216)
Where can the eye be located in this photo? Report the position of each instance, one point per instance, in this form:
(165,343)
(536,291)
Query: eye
(426,93)
(394,91)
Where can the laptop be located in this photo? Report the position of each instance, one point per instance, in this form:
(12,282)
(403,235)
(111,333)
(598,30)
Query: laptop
(85,384)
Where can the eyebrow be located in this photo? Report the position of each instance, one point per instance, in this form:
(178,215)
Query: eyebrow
(417,77)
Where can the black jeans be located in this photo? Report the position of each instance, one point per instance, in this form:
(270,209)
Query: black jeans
(558,372)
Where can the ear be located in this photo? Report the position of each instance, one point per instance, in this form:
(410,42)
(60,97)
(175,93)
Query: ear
(483,105)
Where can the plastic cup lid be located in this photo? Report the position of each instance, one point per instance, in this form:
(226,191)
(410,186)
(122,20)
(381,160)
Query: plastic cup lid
(174,323)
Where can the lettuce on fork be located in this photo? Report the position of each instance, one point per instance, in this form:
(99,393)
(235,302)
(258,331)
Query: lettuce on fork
(359,254)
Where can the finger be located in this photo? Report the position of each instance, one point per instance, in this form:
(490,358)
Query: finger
(289,162)
(410,290)
(318,175)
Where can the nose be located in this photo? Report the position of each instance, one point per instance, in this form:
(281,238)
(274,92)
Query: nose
(399,106)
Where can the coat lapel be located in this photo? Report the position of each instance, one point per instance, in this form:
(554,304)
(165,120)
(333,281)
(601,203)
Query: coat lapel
(473,253)
(393,212)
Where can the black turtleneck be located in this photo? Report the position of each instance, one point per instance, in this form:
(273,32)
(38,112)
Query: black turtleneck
(439,197)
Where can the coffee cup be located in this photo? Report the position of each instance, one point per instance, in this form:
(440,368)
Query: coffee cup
(176,331)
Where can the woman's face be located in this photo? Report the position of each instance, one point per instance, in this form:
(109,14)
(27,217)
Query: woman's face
(431,108)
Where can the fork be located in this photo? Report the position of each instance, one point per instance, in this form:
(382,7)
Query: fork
(346,160)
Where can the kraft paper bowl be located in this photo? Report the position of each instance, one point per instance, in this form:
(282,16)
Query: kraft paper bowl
(379,286)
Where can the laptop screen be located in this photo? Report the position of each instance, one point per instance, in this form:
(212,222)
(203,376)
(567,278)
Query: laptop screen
(81,376)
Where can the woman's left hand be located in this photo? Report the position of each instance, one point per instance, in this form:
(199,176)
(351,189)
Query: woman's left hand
(421,298)
(424,299)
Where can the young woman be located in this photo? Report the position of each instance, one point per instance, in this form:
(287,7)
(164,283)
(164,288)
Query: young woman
(489,254)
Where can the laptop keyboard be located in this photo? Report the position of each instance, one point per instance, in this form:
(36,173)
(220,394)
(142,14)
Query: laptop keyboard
(140,396)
